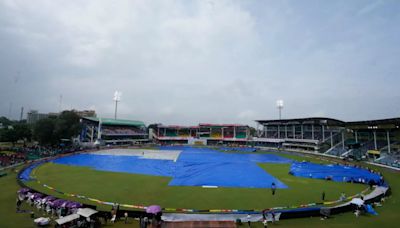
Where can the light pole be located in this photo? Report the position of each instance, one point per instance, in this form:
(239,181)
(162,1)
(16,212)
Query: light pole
(117,98)
(279,105)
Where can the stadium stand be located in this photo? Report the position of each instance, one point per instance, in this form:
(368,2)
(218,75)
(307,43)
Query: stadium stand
(376,140)
(210,134)
(308,134)
(16,155)
(8,158)
(389,160)
(112,131)
(337,150)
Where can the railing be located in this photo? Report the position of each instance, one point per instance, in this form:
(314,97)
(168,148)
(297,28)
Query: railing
(336,150)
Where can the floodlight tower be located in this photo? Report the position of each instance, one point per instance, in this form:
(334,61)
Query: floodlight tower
(279,105)
(117,98)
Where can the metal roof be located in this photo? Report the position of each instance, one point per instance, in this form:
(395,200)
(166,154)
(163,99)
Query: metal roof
(221,125)
(177,126)
(390,123)
(376,122)
(310,120)
(119,122)
(200,126)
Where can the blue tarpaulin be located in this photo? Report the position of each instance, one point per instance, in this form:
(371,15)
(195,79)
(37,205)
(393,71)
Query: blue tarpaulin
(369,209)
(194,167)
(239,149)
(223,174)
(338,173)
(25,175)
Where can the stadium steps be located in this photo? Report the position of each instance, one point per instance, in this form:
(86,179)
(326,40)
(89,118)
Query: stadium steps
(385,149)
(383,157)
(389,160)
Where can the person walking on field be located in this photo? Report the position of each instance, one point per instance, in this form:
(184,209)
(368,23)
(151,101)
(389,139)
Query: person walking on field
(273,188)
(126,217)
(265,223)
(249,220)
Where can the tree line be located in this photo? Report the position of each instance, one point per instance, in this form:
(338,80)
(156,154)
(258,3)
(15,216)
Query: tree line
(48,131)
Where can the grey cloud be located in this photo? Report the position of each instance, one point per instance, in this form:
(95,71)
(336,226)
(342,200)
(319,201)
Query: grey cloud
(181,62)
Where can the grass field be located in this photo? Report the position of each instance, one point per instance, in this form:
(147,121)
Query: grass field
(136,189)
(148,190)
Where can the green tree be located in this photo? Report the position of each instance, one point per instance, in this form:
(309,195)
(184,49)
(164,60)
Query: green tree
(51,131)
(67,125)
(43,131)
(4,121)
(253,132)
(8,135)
(23,131)
(16,132)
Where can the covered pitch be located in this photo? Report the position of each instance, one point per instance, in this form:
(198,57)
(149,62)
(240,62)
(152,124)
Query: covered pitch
(189,167)
(340,173)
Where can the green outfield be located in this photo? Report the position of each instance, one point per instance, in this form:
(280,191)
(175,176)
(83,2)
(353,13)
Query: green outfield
(146,190)
(135,189)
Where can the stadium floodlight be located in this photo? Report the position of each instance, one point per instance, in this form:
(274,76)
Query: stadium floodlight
(279,105)
(117,98)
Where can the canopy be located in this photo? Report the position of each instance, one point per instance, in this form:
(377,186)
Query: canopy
(67,219)
(73,205)
(48,199)
(58,202)
(23,190)
(86,212)
(153,209)
(36,196)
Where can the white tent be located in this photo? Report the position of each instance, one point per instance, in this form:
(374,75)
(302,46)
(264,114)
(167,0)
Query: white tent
(86,212)
(67,219)
(42,221)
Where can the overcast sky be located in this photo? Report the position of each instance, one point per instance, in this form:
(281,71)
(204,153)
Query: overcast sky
(189,62)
